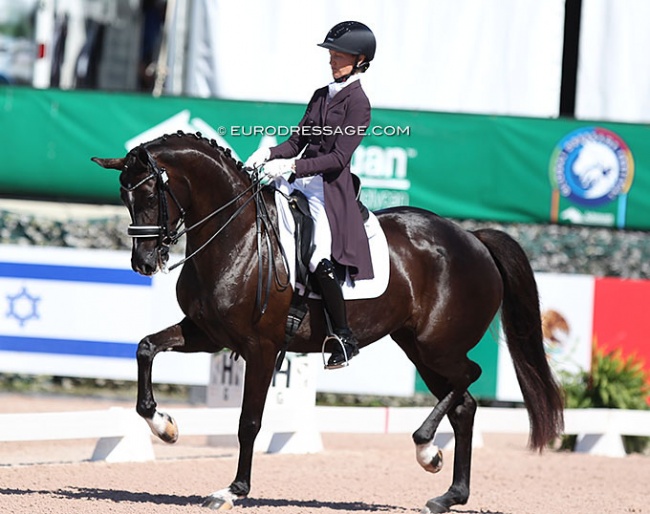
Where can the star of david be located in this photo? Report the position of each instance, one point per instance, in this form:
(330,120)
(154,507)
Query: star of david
(23,306)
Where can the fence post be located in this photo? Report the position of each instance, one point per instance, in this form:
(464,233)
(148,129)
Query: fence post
(134,446)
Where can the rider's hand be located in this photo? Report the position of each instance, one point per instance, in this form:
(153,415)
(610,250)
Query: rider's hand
(278,167)
(258,158)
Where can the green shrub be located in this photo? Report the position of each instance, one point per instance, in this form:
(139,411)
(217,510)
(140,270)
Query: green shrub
(614,382)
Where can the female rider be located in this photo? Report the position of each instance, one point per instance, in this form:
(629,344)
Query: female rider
(330,131)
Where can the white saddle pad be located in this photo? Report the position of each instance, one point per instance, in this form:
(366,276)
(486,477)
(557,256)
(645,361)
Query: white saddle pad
(360,289)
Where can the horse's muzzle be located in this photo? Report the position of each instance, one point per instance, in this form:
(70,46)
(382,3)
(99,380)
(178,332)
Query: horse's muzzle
(146,262)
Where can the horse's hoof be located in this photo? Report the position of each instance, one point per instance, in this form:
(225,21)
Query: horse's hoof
(163,426)
(429,457)
(220,500)
(433,507)
(217,503)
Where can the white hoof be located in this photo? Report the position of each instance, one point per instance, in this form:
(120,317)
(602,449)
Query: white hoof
(429,456)
(163,426)
(220,500)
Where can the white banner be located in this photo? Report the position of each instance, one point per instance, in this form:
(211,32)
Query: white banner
(613,72)
(494,57)
(71,312)
(567,306)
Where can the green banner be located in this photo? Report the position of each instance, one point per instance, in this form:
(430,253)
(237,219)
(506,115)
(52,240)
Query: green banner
(458,165)
(486,355)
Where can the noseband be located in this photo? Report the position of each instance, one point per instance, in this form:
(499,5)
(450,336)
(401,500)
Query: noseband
(166,235)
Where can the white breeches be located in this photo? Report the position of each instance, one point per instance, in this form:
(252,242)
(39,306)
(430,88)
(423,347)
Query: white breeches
(312,188)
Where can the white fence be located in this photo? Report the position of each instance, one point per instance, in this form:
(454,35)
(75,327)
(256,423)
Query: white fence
(123,436)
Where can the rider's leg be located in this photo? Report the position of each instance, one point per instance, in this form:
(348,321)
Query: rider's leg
(334,304)
(323,270)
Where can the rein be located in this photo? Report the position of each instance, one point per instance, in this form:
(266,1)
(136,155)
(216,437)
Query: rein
(170,236)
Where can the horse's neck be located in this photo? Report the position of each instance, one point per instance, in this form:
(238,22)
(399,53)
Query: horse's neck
(233,232)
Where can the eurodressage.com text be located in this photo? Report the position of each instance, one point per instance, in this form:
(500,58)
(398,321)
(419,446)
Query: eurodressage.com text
(308,130)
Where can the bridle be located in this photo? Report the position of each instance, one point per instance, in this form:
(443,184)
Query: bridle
(168,235)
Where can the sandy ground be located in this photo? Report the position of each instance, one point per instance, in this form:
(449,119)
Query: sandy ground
(355,473)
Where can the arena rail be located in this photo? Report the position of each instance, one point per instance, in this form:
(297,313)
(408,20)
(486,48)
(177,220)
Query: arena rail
(123,436)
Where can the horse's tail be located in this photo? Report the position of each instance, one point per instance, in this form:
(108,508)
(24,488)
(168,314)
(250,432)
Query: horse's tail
(522,326)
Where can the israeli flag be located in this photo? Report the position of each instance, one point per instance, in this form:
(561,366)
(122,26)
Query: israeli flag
(71,312)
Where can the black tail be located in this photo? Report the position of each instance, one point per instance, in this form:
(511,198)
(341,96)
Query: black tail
(522,326)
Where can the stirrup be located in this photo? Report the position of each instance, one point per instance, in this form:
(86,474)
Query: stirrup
(339,341)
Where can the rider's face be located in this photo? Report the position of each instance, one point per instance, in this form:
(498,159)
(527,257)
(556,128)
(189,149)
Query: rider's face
(341,63)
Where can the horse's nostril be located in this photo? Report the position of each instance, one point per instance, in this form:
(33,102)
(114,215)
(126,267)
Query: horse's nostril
(143,268)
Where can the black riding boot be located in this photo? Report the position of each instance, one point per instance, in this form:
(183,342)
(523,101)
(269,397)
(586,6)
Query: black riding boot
(334,304)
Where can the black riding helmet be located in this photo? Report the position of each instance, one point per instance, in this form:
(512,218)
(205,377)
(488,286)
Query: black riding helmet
(352,37)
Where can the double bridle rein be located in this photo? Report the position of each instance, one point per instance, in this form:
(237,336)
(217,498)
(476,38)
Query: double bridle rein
(169,235)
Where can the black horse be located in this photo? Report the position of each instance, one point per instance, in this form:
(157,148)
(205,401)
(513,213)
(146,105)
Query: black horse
(446,285)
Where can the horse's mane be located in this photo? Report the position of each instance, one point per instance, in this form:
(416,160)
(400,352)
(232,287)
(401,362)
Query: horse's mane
(211,143)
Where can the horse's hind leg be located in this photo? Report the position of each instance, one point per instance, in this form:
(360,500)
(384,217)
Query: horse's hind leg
(460,408)
(461,418)
(184,336)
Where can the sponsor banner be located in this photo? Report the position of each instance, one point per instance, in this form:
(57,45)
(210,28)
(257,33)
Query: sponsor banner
(495,168)
(621,319)
(567,307)
(591,172)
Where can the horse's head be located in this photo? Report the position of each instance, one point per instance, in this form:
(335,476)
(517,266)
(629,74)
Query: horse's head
(167,178)
(155,210)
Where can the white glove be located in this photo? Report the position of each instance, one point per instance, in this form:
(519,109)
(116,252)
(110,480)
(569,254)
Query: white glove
(258,157)
(278,167)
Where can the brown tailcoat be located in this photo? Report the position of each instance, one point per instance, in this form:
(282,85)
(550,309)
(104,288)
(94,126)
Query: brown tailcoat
(328,152)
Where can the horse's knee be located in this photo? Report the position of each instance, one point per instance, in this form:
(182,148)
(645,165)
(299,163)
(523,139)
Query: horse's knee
(146,350)
(248,430)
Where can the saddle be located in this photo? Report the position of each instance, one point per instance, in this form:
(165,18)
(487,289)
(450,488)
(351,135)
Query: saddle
(305,230)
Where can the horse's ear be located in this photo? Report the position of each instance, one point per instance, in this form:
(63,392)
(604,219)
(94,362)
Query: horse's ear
(113,164)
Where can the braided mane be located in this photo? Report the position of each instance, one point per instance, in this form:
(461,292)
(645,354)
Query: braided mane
(213,143)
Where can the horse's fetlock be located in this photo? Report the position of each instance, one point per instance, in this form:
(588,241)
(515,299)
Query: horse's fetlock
(459,493)
(146,409)
(240,488)
(419,438)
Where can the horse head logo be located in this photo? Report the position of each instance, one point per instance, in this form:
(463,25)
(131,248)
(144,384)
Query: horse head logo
(596,169)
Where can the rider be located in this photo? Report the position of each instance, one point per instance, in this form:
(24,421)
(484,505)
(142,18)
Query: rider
(330,131)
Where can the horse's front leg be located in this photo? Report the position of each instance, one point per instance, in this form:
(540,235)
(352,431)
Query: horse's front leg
(184,336)
(259,372)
